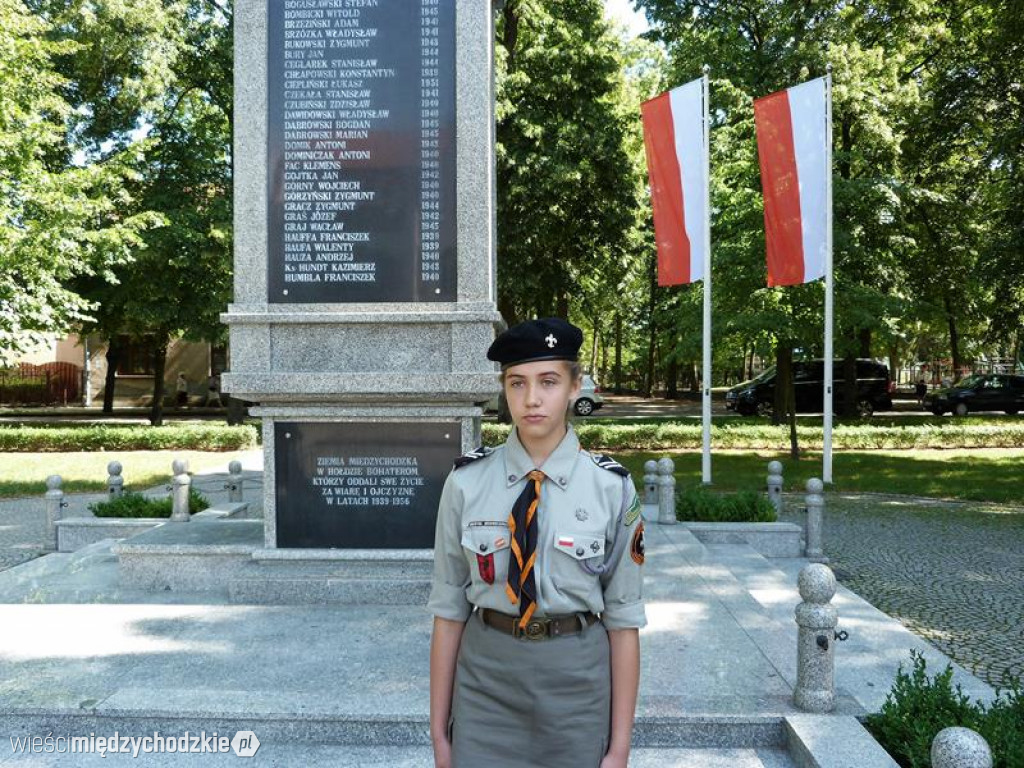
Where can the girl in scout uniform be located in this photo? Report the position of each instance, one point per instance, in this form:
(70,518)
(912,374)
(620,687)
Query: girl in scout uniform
(535,654)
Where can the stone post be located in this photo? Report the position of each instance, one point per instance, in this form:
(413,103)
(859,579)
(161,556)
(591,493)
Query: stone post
(666,491)
(958,747)
(815,512)
(234,483)
(180,484)
(815,657)
(775,485)
(115,483)
(651,482)
(54,504)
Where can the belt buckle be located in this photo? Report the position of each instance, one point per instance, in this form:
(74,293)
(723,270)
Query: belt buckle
(536,629)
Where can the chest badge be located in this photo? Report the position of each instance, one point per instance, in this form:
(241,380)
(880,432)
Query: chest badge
(581,514)
(486,565)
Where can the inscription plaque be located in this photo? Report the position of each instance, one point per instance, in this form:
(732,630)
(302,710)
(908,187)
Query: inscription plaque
(361,151)
(361,486)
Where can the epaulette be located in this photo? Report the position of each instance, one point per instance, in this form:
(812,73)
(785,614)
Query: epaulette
(607,462)
(480,453)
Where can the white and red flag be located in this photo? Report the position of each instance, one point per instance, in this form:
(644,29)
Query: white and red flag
(674,142)
(792,145)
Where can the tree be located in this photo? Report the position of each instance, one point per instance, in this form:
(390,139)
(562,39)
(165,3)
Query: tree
(566,193)
(58,220)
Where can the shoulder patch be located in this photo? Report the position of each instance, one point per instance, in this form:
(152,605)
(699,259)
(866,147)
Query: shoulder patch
(480,453)
(607,462)
(633,512)
(637,550)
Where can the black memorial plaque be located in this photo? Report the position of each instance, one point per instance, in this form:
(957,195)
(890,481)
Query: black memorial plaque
(361,151)
(361,486)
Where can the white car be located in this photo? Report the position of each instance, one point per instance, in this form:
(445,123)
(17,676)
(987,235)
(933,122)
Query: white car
(589,400)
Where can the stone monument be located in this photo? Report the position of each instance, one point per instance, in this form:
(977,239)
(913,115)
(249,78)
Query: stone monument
(364,258)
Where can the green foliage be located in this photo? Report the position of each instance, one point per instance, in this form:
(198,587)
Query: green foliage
(919,706)
(761,436)
(199,437)
(58,221)
(132,504)
(701,505)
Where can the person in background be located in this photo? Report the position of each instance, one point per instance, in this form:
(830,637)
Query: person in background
(181,390)
(920,390)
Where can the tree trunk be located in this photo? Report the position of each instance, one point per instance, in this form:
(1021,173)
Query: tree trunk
(954,338)
(595,322)
(649,383)
(618,353)
(114,352)
(894,363)
(864,337)
(849,405)
(672,380)
(156,412)
(784,395)
(604,356)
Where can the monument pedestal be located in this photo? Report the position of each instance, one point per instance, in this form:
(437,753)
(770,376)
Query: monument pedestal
(364,261)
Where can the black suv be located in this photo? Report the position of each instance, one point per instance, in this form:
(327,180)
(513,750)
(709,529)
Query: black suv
(986,392)
(874,389)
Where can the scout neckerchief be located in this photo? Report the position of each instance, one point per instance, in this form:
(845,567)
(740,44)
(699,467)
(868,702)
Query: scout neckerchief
(522,525)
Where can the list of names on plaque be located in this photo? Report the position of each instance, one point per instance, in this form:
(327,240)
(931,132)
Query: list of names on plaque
(361,149)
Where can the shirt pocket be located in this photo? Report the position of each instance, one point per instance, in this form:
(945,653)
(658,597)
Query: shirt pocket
(487,547)
(575,563)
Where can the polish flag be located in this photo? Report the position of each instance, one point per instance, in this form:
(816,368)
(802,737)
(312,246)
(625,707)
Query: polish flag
(674,141)
(792,145)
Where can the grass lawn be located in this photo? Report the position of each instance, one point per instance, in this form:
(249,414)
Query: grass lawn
(24,474)
(983,474)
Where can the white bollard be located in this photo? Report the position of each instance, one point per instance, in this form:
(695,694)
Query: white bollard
(775,485)
(957,747)
(816,619)
(234,483)
(54,504)
(115,483)
(815,514)
(666,491)
(180,484)
(650,482)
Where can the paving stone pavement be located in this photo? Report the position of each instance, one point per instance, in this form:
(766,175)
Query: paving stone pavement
(951,572)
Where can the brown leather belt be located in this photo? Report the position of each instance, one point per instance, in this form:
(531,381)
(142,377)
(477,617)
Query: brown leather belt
(539,628)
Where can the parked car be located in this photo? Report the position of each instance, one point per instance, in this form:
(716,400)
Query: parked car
(874,389)
(590,399)
(985,392)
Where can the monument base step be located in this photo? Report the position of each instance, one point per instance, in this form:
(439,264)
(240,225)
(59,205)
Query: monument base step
(319,589)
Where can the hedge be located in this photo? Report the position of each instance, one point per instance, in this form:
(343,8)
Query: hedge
(687,436)
(133,504)
(184,437)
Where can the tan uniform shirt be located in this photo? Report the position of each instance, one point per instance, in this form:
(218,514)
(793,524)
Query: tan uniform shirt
(589,550)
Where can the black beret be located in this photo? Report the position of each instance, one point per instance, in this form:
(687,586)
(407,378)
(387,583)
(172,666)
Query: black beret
(550,338)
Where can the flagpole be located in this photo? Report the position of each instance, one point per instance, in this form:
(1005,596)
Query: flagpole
(826,471)
(706,397)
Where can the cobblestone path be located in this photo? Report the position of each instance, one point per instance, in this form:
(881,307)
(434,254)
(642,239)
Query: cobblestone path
(952,572)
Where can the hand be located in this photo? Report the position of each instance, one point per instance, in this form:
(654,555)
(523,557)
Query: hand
(615,760)
(442,752)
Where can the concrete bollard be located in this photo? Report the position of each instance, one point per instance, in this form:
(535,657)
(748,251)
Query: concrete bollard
(180,484)
(816,620)
(815,513)
(666,491)
(650,482)
(234,483)
(775,485)
(957,747)
(115,483)
(54,504)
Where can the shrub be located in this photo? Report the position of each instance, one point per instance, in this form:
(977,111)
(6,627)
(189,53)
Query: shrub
(918,707)
(102,437)
(704,506)
(133,504)
(667,435)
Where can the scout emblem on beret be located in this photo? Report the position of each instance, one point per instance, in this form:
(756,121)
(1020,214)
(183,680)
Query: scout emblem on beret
(550,338)
(636,547)
(607,462)
(480,453)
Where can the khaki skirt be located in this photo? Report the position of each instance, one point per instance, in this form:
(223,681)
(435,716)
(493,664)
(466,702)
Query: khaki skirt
(544,704)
